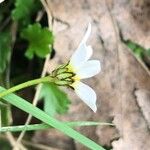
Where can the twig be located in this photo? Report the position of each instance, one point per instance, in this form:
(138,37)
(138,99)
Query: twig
(39,146)
(5,23)
(35,145)
(35,99)
(47,6)
(13,35)
(13,141)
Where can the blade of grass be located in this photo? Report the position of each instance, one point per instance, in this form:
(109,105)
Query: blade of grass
(44,126)
(39,114)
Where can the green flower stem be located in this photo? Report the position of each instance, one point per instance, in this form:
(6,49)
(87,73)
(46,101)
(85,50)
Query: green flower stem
(26,84)
(44,126)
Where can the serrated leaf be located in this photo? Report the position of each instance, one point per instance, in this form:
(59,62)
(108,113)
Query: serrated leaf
(40,40)
(5,48)
(55,100)
(24,9)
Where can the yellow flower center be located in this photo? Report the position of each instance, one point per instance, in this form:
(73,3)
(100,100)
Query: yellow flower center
(72,69)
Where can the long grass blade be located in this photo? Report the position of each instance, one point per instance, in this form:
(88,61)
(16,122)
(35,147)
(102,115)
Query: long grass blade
(39,114)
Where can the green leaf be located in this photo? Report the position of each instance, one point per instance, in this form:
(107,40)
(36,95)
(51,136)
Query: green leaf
(137,49)
(24,10)
(40,40)
(5,48)
(55,100)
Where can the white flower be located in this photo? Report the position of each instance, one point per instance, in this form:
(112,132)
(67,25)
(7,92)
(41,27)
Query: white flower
(83,68)
(1,1)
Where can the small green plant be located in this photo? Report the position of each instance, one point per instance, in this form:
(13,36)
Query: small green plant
(25,41)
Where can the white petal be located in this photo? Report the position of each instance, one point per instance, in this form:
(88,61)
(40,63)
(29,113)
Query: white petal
(89,52)
(87,34)
(1,1)
(83,52)
(86,94)
(89,69)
